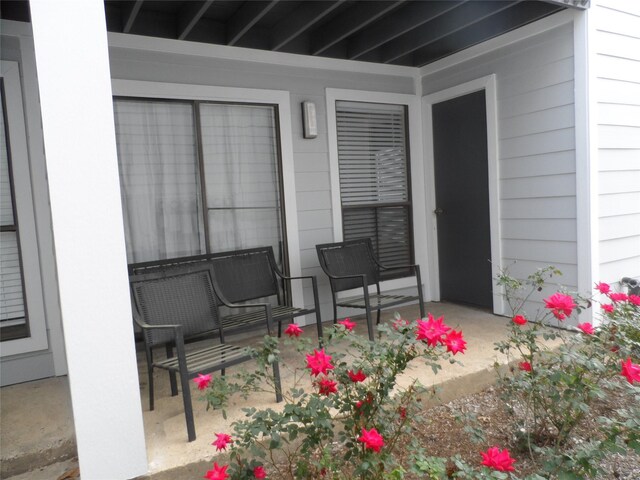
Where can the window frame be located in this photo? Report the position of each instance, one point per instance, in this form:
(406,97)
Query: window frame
(25,218)
(415,167)
(277,98)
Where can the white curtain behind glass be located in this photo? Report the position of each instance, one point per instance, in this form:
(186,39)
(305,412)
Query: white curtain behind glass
(242,182)
(159,179)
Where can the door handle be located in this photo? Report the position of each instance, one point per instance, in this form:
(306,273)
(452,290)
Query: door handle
(438,211)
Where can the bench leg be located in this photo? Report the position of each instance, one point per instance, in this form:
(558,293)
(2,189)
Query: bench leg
(172,375)
(367,305)
(151,398)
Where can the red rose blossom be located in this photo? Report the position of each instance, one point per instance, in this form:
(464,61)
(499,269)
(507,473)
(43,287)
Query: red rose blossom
(524,366)
(498,459)
(221,441)
(587,328)
(203,381)
(372,440)
(454,342)
(259,472)
(327,387)
(217,473)
(607,307)
(631,371)
(356,377)
(603,287)
(347,324)
(431,330)
(319,362)
(560,304)
(519,320)
(293,330)
(618,297)
(635,299)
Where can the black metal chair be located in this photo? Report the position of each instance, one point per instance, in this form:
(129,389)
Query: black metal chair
(252,274)
(353,265)
(173,304)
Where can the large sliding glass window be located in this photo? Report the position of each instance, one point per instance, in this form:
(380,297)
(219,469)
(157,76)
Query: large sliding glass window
(373,165)
(13,315)
(198,177)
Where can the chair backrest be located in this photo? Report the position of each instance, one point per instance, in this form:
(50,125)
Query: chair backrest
(243,275)
(353,257)
(175,297)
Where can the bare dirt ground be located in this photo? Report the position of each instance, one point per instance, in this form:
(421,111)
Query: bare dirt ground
(443,434)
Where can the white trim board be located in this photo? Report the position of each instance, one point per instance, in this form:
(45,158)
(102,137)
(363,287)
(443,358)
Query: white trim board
(134,88)
(488,84)
(206,50)
(416,166)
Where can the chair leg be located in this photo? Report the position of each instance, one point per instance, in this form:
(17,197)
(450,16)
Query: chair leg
(188,408)
(316,304)
(335,312)
(172,375)
(279,328)
(368,310)
(151,396)
(378,317)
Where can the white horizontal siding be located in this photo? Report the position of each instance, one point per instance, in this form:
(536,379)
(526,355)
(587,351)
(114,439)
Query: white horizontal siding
(537,166)
(617,70)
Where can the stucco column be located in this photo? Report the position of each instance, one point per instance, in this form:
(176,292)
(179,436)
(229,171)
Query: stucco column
(74,82)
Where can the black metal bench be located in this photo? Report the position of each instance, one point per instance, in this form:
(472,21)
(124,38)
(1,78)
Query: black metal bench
(179,302)
(245,276)
(353,265)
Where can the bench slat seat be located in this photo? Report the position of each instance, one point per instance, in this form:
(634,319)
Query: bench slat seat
(376,301)
(279,312)
(218,356)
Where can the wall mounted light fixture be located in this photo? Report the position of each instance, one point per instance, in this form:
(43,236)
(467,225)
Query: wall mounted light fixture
(310,125)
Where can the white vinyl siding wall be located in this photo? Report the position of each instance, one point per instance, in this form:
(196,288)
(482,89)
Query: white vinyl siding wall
(536,148)
(311,156)
(616,70)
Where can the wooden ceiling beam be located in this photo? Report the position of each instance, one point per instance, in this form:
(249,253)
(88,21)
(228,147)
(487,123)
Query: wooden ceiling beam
(300,20)
(453,21)
(245,18)
(189,15)
(352,20)
(405,19)
(130,12)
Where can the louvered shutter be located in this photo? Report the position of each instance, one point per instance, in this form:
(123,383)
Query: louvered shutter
(374,178)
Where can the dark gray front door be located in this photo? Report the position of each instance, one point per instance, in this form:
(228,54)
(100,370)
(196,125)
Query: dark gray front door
(462,199)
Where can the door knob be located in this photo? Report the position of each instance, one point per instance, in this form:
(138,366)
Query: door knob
(438,211)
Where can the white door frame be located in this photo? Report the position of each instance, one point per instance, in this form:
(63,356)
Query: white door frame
(488,84)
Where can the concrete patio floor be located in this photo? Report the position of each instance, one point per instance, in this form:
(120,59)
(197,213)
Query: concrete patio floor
(37,422)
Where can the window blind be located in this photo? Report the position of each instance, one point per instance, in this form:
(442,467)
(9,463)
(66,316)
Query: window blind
(374,177)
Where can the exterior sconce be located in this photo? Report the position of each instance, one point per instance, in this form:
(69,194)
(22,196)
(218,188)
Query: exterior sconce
(309,123)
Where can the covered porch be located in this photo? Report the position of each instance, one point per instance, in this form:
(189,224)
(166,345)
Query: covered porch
(38,441)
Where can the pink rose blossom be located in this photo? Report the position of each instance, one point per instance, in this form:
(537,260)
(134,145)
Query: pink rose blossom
(356,377)
(587,328)
(607,307)
(372,439)
(498,459)
(347,324)
(293,330)
(431,330)
(454,342)
(524,366)
(560,304)
(618,297)
(259,472)
(603,287)
(221,441)
(203,381)
(327,387)
(635,299)
(319,362)
(631,371)
(218,472)
(519,320)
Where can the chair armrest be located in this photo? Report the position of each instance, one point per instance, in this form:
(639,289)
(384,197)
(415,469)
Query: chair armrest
(398,267)
(286,277)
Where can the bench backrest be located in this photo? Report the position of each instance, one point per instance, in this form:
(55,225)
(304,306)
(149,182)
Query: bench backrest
(244,275)
(240,275)
(175,297)
(353,257)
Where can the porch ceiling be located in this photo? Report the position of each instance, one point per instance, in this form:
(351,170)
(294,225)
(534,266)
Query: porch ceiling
(399,32)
